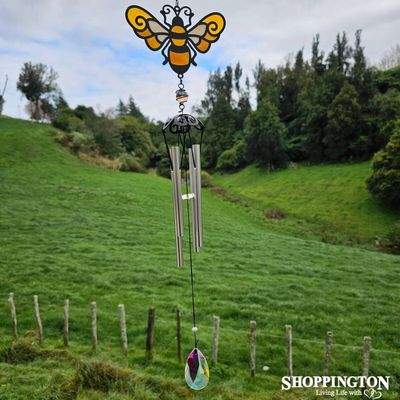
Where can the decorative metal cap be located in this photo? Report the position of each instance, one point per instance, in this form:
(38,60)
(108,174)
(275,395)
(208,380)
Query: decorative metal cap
(182,123)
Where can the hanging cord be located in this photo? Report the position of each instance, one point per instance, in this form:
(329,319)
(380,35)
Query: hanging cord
(194,329)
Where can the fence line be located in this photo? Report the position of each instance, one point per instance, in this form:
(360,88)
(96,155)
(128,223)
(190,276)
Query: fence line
(328,344)
(296,339)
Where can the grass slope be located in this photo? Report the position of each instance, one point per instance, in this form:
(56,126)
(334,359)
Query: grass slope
(69,230)
(328,201)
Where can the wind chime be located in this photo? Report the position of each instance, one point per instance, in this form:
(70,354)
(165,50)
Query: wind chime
(180,43)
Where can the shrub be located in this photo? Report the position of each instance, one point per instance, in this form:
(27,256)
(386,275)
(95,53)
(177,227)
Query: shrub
(384,183)
(233,158)
(206,180)
(81,142)
(62,387)
(20,352)
(163,166)
(297,148)
(106,136)
(100,161)
(274,213)
(129,163)
(391,242)
(135,138)
(68,122)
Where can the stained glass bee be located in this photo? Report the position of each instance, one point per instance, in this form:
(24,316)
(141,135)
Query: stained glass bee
(178,41)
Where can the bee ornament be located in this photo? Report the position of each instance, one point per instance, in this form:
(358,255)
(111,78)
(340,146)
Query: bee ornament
(177,39)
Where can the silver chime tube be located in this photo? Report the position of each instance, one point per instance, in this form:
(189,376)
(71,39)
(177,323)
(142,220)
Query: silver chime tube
(193,188)
(195,185)
(197,159)
(177,201)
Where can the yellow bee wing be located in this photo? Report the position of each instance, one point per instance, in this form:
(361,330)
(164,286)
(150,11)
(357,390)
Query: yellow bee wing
(146,27)
(207,31)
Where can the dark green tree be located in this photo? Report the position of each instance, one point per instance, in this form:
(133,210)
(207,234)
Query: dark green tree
(220,132)
(106,135)
(317,59)
(266,84)
(133,109)
(37,82)
(314,101)
(122,109)
(389,79)
(339,57)
(219,85)
(342,130)
(135,139)
(265,137)
(384,112)
(384,183)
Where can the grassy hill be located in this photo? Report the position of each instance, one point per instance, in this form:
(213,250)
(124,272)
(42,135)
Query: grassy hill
(329,201)
(69,230)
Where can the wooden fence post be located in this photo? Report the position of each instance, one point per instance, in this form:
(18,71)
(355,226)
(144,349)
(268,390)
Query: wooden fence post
(366,351)
(289,350)
(38,319)
(178,334)
(66,322)
(93,307)
(122,324)
(215,342)
(13,315)
(150,334)
(328,349)
(253,326)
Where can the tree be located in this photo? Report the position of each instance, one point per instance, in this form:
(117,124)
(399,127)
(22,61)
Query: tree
(384,183)
(314,101)
(2,101)
(391,59)
(389,79)
(266,83)
(220,132)
(37,82)
(135,139)
(317,59)
(121,108)
(106,135)
(219,85)
(362,77)
(384,112)
(265,137)
(342,130)
(133,109)
(339,57)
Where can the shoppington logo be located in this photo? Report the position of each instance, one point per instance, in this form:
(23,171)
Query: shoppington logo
(371,387)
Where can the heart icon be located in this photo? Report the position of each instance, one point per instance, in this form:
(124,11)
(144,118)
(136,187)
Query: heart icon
(372,394)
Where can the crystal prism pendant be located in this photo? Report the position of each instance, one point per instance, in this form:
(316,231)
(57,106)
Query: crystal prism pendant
(197,373)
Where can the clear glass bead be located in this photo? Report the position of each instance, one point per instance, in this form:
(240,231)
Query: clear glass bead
(197,373)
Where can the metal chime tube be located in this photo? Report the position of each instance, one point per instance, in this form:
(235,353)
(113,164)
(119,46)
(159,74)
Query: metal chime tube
(195,184)
(177,201)
(193,188)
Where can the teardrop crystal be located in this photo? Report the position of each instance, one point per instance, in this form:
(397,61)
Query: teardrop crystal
(197,373)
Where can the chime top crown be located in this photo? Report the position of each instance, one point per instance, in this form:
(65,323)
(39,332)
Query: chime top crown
(183,123)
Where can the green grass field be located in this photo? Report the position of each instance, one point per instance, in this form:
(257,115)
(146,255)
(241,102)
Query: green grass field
(329,202)
(69,230)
